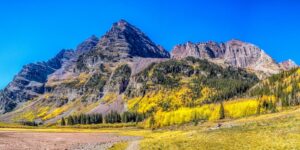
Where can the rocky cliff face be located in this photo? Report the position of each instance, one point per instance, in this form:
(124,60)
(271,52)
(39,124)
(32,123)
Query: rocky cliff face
(30,81)
(199,50)
(127,40)
(233,53)
(122,41)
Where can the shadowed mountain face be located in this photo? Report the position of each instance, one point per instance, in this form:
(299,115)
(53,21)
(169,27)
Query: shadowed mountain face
(127,40)
(124,63)
(121,42)
(30,81)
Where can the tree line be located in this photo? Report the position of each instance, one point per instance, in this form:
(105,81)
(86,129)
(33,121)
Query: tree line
(97,118)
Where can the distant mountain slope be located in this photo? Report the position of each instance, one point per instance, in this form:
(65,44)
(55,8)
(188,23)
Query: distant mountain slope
(233,53)
(287,65)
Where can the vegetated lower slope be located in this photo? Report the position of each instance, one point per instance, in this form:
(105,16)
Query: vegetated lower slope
(279,91)
(163,87)
(177,92)
(175,105)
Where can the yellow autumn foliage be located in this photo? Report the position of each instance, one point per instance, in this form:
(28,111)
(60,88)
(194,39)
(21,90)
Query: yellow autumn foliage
(47,95)
(26,116)
(288,89)
(185,115)
(206,93)
(287,80)
(54,113)
(42,112)
(268,98)
(241,108)
(298,72)
(168,100)
(109,97)
(83,77)
(233,109)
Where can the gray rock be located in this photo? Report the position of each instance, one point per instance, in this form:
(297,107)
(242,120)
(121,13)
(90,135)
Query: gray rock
(30,81)
(233,53)
(122,41)
(287,65)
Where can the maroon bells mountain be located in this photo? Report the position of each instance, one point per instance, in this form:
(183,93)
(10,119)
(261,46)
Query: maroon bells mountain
(119,63)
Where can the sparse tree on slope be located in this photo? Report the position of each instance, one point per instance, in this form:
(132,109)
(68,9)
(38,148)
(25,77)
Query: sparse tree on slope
(63,122)
(222,111)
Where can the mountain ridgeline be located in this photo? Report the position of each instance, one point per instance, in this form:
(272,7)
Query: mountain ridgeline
(124,71)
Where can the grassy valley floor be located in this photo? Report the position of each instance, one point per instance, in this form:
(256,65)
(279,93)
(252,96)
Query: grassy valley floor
(270,131)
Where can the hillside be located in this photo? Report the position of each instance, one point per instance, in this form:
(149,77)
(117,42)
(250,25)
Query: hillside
(279,91)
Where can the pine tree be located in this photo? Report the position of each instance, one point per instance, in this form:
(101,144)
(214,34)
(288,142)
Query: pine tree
(70,120)
(88,119)
(258,109)
(63,122)
(152,122)
(76,120)
(222,111)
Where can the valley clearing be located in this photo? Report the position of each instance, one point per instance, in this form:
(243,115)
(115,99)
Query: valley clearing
(271,131)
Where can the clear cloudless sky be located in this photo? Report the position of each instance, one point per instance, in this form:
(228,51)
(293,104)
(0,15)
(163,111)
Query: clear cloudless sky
(35,30)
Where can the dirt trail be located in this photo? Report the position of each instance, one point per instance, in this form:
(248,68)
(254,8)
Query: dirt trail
(50,141)
(133,145)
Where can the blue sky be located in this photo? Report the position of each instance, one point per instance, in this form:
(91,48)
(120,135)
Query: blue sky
(36,30)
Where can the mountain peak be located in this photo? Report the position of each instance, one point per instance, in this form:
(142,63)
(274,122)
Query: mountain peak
(121,22)
(237,42)
(121,25)
(288,64)
(87,45)
(93,38)
(124,39)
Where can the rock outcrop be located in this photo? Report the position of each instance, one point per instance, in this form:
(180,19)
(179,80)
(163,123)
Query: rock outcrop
(127,40)
(287,65)
(30,81)
(233,53)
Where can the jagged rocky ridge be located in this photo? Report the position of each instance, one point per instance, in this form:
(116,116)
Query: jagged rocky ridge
(100,72)
(232,53)
(31,80)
